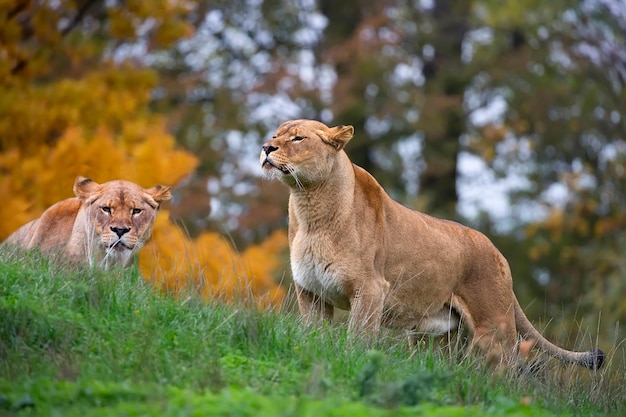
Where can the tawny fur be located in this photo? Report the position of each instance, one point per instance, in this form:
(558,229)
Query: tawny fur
(105,224)
(353,247)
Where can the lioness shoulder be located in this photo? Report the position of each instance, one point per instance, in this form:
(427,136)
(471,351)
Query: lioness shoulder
(353,247)
(104,224)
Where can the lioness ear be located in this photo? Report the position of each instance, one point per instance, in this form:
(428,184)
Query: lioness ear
(160,193)
(85,187)
(339,136)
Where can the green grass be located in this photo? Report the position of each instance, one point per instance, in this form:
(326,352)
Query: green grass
(86,343)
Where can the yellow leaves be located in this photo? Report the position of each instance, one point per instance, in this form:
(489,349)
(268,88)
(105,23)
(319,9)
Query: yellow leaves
(30,33)
(169,32)
(44,23)
(15,210)
(210,266)
(10,32)
(54,168)
(256,259)
(121,24)
(107,97)
(156,158)
(162,21)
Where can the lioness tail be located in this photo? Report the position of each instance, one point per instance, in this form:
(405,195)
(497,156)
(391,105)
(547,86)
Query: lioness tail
(592,359)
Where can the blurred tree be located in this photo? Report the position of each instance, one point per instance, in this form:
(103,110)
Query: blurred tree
(443,117)
(560,70)
(75,99)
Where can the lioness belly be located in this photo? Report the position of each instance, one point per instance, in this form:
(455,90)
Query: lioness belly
(315,276)
(441,322)
(432,320)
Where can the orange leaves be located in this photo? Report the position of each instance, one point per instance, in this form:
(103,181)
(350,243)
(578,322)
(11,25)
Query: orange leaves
(211,266)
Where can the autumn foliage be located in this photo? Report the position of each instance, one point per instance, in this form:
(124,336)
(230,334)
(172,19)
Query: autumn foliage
(68,107)
(210,265)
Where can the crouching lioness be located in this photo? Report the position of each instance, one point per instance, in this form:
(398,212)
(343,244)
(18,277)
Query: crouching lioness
(353,247)
(104,224)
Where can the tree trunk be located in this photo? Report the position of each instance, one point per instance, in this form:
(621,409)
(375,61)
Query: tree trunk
(446,82)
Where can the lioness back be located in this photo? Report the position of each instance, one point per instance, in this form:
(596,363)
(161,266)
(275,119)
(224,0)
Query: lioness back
(51,231)
(105,223)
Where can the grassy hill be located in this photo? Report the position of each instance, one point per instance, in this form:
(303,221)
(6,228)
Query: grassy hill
(89,343)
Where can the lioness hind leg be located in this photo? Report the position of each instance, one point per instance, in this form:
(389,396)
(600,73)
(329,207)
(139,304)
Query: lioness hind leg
(312,307)
(493,330)
(499,350)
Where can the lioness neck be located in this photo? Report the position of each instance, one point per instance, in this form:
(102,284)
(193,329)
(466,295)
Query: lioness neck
(326,203)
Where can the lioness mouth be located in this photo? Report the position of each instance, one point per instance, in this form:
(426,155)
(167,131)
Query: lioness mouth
(119,245)
(270,163)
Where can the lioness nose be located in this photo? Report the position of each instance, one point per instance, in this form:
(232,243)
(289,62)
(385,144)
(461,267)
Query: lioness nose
(269,149)
(120,231)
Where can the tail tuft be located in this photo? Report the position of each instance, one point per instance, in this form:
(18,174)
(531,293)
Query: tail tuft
(594,359)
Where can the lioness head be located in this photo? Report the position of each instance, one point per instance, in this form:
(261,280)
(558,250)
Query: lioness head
(119,215)
(302,152)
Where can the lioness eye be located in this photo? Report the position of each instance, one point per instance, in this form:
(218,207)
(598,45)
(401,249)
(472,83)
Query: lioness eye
(297,138)
(106,209)
(137,211)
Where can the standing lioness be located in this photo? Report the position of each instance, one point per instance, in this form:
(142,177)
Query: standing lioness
(353,247)
(105,224)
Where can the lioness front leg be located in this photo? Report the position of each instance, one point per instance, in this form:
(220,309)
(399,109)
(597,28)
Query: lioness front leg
(312,307)
(366,310)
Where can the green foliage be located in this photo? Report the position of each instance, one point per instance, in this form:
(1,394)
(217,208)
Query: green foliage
(133,400)
(416,389)
(83,342)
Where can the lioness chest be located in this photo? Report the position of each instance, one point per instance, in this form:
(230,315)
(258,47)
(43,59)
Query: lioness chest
(316,270)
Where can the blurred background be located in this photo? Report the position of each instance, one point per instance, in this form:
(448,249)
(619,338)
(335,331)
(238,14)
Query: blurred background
(506,115)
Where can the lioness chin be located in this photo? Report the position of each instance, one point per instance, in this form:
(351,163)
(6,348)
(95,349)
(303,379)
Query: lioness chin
(105,224)
(353,247)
